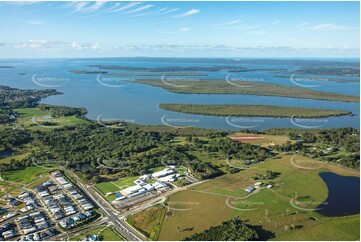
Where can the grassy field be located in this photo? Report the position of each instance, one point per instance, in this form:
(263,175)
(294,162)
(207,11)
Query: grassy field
(116,186)
(220,199)
(27,119)
(181,140)
(5,188)
(106,187)
(126,182)
(8,159)
(26,175)
(149,221)
(105,234)
(245,88)
(252,110)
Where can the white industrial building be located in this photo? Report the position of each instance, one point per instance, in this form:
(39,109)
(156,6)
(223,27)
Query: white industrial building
(165,172)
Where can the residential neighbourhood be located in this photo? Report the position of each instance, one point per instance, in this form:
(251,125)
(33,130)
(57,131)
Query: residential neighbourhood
(51,208)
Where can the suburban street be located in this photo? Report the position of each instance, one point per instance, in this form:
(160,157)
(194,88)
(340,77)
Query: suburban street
(113,216)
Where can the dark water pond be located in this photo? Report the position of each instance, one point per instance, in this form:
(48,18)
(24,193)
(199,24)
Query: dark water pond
(6,153)
(344,195)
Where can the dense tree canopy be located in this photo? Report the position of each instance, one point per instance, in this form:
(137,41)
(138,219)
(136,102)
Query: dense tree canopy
(234,229)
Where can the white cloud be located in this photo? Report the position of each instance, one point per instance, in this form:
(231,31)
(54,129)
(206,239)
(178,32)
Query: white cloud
(168,11)
(158,12)
(124,7)
(115,5)
(184,29)
(38,44)
(23,3)
(233,22)
(250,27)
(54,45)
(188,13)
(140,9)
(328,26)
(94,7)
(77,6)
(84,46)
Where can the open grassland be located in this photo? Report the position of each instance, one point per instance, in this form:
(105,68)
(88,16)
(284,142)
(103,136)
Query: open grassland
(149,221)
(181,140)
(8,159)
(104,233)
(106,187)
(116,186)
(220,199)
(33,118)
(252,110)
(28,174)
(245,88)
(126,182)
(5,188)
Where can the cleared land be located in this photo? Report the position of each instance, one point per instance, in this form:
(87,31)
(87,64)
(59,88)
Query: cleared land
(264,140)
(149,221)
(33,118)
(220,199)
(26,175)
(104,233)
(252,110)
(245,88)
(248,139)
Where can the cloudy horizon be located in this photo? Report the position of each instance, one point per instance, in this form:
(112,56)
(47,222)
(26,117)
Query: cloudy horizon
(179,29)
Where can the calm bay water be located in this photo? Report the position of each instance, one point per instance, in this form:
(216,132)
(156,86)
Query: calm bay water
(139,103)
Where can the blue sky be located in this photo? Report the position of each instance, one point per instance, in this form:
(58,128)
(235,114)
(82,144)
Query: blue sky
(179,29)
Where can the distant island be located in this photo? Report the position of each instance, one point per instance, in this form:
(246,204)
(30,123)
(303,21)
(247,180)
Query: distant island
(312,78)
(328,71)
(252,110)
(140,73)
(244,88)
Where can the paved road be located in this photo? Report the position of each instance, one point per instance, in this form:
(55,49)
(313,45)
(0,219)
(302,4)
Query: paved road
(127,231)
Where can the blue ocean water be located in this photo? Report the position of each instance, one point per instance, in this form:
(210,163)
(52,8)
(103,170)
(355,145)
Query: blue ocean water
(140,103)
